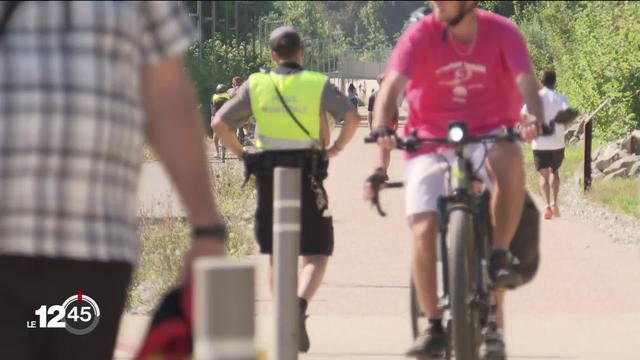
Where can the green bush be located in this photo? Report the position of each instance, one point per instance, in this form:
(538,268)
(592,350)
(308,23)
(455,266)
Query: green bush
(229,61)
(595,49)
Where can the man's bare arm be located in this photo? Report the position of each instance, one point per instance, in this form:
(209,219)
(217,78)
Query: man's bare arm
(174,131)
(227,134)
(349,128)
(385,106)
(393,85)
(529,90)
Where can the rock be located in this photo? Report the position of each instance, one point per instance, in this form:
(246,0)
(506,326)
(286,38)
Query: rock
(573,140)
(607,156)
(635,170)
(617,174)
(570,133)
(625,163)
(596,154)
(631,143)
(576,131)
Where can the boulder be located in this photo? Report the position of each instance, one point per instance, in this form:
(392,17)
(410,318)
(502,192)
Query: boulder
(617,174)
(607,156)
(570,133)
(575,132)
(635,170)
(631,143)
(625,163)
(596,154)
(573,140)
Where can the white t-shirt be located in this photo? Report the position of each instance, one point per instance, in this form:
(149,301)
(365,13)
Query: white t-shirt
(553,102)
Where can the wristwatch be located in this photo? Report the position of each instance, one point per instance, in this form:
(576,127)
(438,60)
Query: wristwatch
(218,231)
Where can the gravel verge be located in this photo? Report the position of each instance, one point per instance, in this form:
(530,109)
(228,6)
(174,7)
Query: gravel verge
(620,228)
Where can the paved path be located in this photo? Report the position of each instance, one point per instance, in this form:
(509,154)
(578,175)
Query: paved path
(584,303)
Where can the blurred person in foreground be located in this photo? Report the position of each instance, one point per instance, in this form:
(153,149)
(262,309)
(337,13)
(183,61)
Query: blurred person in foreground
(82,86)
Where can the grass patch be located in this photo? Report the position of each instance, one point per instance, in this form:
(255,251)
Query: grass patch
(620,195)
(165,240)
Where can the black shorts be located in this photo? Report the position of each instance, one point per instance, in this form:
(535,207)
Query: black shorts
(544,159)
(316,237)
(526,242)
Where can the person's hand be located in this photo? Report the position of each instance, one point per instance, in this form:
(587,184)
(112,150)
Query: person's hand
(387,142)
(386,138)
(367,191)
(333,151)
(530,128)
(375,180)
(201,248)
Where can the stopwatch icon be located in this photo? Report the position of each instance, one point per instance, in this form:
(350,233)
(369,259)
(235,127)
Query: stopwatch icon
(82,314)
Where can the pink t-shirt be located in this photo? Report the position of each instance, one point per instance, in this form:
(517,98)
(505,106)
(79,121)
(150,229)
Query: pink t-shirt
(449,80)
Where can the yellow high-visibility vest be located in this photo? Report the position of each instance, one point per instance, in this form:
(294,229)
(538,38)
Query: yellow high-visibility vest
(302,92)
(216,97)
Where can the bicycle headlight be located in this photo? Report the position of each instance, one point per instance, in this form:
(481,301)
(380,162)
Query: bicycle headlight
(456,134)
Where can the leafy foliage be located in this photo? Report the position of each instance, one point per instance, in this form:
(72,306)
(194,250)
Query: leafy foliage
(219,69)
(596,54)
(593,46)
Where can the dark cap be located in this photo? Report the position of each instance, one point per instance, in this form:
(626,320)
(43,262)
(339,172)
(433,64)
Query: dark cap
(284,41)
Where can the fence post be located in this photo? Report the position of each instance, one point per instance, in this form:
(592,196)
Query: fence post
(286,240)
(588,136)
(224,310)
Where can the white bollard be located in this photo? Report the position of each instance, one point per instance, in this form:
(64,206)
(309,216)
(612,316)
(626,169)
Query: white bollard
(286,244)
(224,310)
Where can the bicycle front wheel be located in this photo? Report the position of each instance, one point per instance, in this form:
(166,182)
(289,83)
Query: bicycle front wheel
(462,274)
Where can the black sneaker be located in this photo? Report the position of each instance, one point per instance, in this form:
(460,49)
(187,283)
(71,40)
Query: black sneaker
(494,348)
(431,342)
(303,344)
(502,271)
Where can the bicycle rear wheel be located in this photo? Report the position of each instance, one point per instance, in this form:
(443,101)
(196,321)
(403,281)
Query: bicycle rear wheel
(462,276)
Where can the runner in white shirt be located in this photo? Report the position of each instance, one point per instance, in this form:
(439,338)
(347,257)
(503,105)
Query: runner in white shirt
(548,151)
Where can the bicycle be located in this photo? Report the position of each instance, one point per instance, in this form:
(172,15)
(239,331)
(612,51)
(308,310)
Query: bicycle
(222,150)
(464,243)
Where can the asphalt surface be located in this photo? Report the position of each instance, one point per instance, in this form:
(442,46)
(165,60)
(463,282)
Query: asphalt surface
(583,304)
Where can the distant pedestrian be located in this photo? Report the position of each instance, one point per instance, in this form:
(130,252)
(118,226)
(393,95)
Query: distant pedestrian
(81,86)
(235,85)
(548,151)
(352,96)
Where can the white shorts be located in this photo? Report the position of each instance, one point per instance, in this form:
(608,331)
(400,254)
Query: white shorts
(426,180)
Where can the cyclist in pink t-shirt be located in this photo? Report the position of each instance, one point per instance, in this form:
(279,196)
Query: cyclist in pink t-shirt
(459,63)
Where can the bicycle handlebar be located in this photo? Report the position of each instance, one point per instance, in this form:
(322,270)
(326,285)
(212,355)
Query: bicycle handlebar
(413,142)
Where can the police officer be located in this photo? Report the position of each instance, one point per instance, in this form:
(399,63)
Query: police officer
(289,105)
(218,99)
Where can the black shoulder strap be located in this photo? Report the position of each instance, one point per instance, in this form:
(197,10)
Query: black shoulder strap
(10,8)
(286,107)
